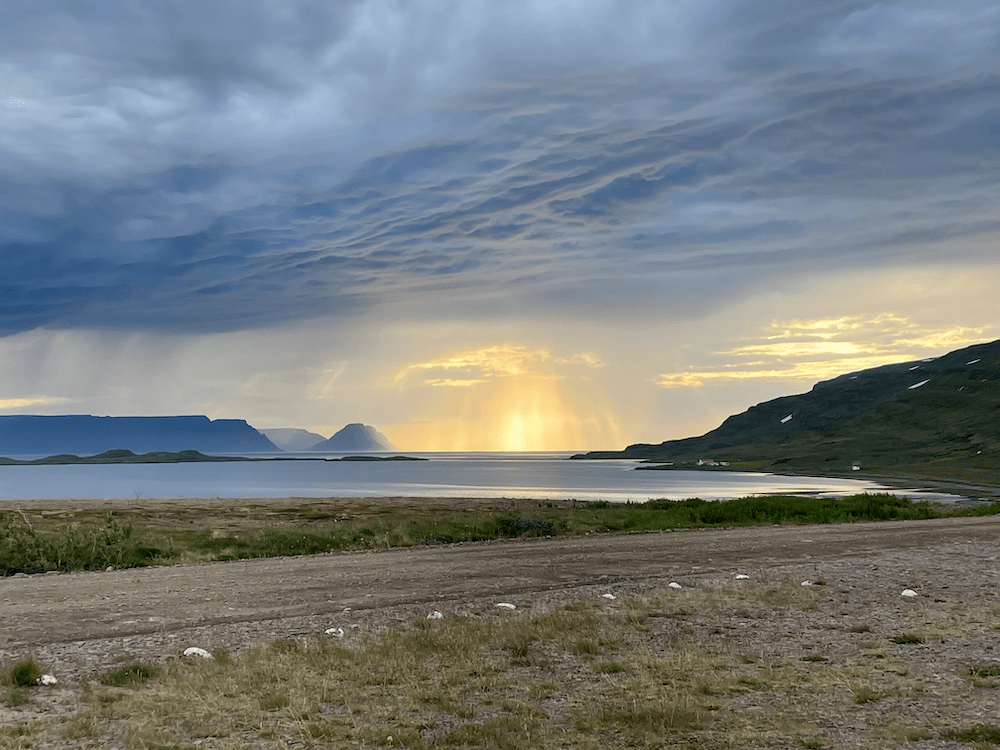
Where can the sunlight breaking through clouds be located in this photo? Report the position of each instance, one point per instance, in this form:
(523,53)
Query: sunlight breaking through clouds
(488,363)
(508,397)
(27,402)
(811,350)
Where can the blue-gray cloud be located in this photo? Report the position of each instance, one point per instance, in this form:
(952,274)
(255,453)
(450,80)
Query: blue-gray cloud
(220,165)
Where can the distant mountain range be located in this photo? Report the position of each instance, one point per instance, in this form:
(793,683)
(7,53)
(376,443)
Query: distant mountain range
(23,434)
(354,437)
(292,439)
(937,417)
(87,435)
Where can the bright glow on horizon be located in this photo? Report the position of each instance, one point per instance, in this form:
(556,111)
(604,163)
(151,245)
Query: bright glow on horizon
(539,384)
(513,398)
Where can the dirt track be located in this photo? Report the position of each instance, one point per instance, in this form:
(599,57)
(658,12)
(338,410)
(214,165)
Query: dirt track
(58,612)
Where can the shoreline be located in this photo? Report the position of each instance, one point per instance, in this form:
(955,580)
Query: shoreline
(975,492)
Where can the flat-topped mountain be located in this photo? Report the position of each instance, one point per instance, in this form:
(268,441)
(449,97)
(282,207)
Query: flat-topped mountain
(23,434)
(354,437)
(931,417)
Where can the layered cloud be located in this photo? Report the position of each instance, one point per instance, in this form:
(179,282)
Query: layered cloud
(490,363)
(216,166)
(30,402)
(811,350)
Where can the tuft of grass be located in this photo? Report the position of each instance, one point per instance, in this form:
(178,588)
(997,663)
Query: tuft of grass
(665,715)
(907,638)
(23,673)
(977,734)
(130,675)
(17,696)
(867,694)
(985,670)
(860,629)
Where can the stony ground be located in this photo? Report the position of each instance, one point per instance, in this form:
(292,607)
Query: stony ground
(80,625)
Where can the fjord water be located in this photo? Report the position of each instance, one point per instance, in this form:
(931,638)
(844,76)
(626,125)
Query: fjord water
(491,475)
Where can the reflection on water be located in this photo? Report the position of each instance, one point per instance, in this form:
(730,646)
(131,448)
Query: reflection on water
(492,475)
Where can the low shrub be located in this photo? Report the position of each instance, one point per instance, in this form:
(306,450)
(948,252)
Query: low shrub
(515,526)
(23,673)
(23,549)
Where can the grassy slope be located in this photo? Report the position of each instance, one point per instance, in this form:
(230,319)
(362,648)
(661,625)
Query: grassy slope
(948,428)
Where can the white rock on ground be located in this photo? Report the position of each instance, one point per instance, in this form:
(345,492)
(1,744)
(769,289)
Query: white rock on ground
(506,605)
(195,651)
(335,632)
(435,615)
(673,585)
(47,679)
(806,583)
(742,577)
(608,596)
(908,593)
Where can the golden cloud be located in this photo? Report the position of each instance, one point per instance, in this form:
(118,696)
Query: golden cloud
(8,404)
(490,363)
(813,350)
(454,383)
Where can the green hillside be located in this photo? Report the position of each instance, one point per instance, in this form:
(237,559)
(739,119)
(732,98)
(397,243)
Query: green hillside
(937,418)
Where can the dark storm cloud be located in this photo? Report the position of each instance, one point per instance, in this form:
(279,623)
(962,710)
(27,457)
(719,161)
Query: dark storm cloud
(219,166)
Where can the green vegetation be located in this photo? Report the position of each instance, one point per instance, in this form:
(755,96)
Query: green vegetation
(130,675)
(985,670)
(25,549)
(140,534)
(867,694)
(979,734)
(23,673)
(907,638)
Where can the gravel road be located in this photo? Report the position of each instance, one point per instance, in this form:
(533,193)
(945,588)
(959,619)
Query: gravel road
(65,610)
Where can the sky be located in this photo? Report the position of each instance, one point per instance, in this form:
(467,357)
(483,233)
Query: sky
(488,224)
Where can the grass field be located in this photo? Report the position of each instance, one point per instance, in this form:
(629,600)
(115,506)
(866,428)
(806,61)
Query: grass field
(37,540)
(666,669)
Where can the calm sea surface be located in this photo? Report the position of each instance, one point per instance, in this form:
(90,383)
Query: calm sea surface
(494,475)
